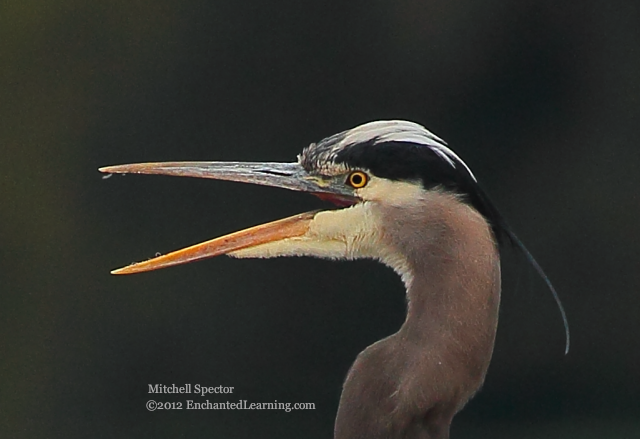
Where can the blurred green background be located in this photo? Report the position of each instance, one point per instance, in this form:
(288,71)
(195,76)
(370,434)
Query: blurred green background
(541,99)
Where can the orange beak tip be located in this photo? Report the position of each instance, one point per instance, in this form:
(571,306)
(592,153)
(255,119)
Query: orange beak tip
(129,269)
(119,271)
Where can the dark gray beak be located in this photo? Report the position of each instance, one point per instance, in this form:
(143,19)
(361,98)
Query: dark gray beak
(284,175)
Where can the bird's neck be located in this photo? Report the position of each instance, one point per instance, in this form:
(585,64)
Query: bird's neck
(453,281)
(412,383)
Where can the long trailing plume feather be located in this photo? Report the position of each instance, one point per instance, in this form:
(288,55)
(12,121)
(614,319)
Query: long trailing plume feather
(519,244)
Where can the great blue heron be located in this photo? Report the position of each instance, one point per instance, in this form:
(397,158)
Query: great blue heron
(410,202)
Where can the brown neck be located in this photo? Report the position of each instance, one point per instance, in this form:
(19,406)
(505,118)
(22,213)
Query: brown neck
(454,289)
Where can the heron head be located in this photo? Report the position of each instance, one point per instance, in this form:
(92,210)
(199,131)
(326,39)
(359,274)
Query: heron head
(378,164)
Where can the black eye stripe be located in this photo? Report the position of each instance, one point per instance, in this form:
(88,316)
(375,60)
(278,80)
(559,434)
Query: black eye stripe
(403,161)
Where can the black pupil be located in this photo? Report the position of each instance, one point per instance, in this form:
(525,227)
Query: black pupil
(356,179)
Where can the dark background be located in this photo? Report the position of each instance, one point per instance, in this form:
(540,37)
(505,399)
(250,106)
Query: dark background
(540,98)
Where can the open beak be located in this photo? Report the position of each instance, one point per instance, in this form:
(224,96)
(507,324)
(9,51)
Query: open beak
(284,175)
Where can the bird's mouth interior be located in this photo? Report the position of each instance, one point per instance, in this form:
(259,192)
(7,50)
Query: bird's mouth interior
(337,200)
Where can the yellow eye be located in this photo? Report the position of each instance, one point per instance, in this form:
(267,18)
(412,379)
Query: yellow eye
(357,179)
